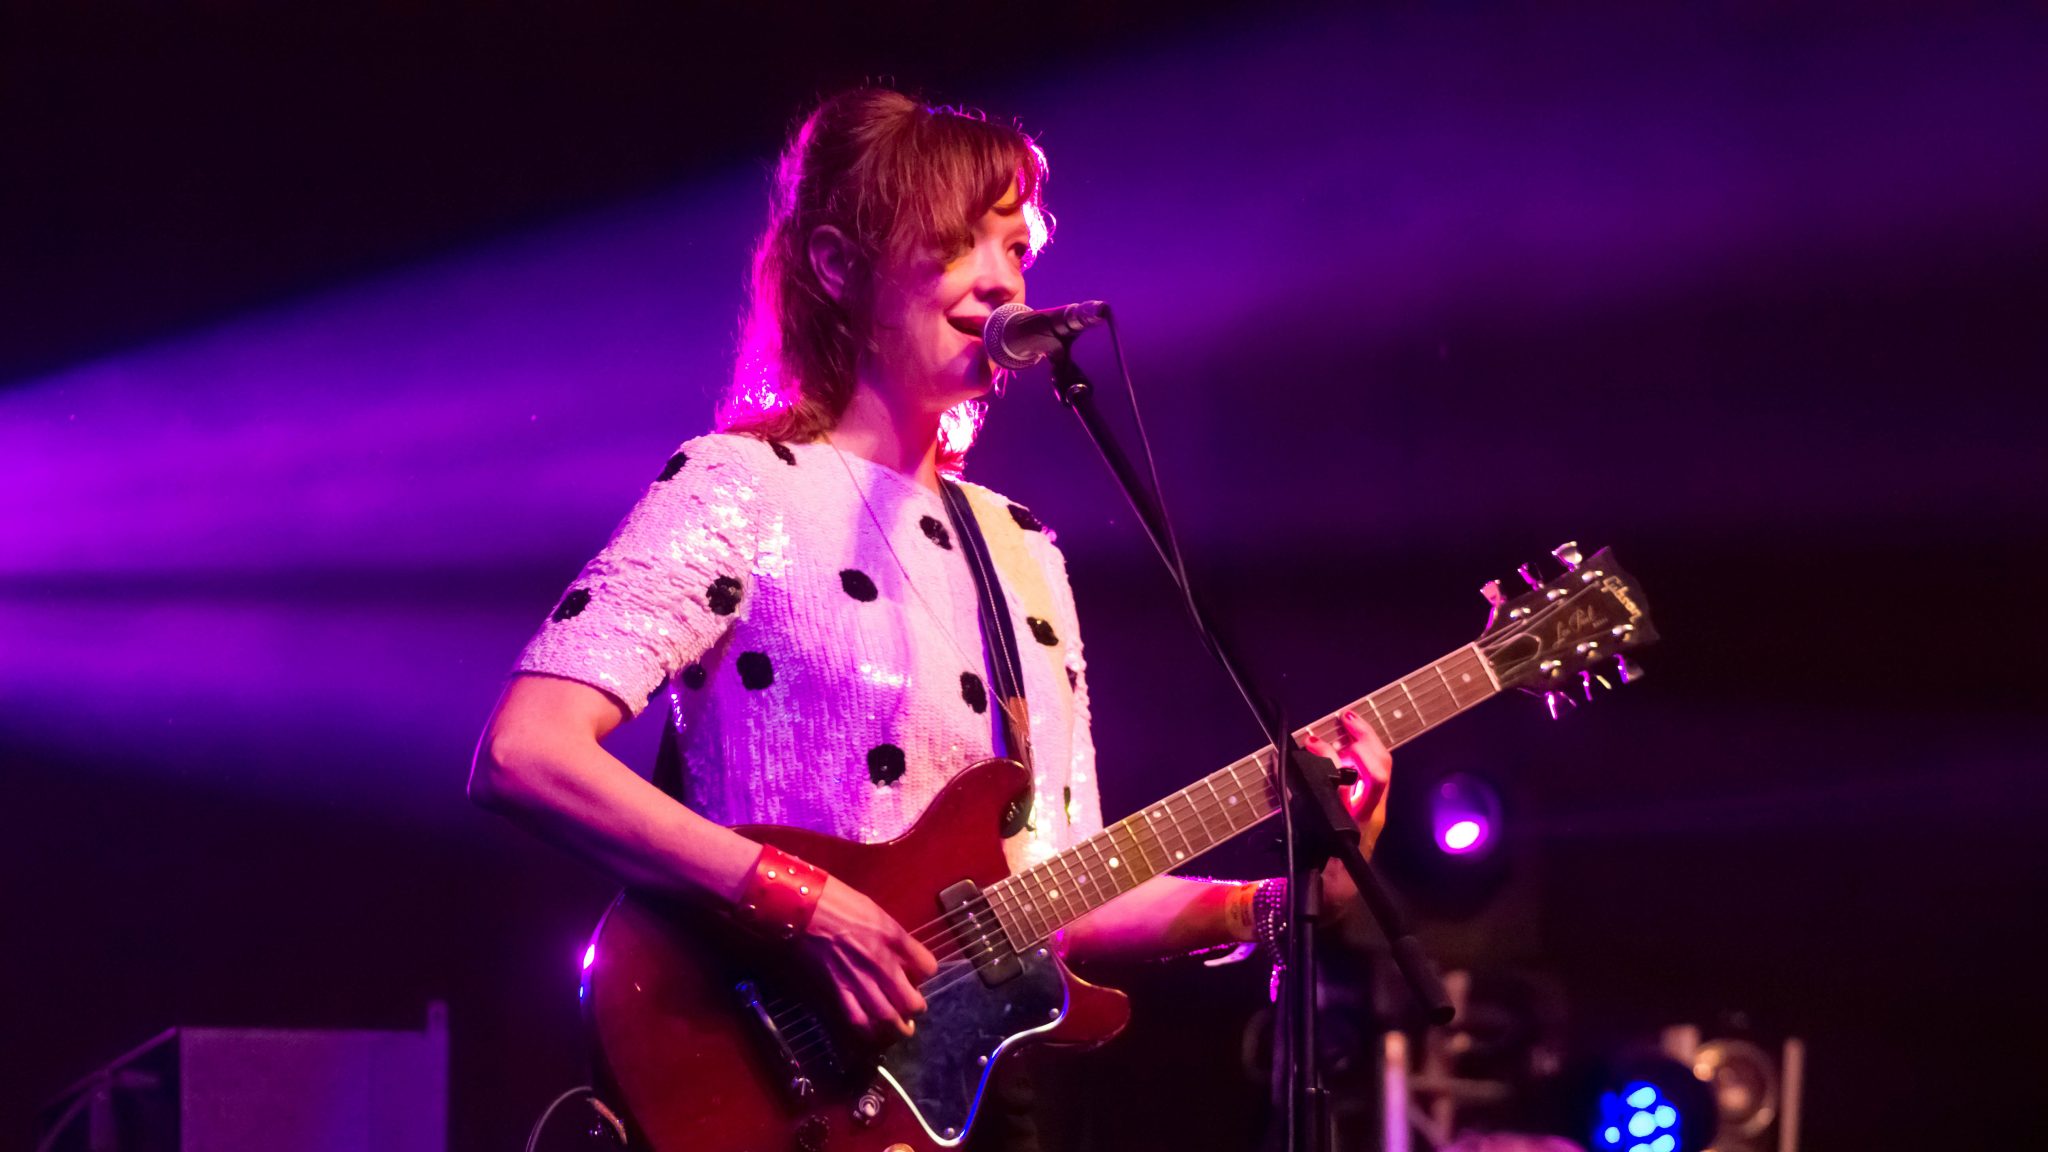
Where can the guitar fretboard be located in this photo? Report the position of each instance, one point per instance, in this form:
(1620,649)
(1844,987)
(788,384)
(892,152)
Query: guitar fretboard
(1038,901)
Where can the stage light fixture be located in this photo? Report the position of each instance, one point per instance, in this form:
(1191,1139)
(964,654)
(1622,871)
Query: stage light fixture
(1637,1118)
(1646,1101)
(1755,1094)
(1464,815)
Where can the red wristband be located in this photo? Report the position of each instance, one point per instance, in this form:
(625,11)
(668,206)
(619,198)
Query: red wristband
(779,895)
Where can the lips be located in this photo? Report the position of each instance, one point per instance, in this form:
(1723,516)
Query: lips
(972,325)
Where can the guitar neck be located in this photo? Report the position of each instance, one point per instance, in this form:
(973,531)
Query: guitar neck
(1040,900)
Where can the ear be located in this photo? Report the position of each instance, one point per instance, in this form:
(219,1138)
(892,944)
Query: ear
(832,260)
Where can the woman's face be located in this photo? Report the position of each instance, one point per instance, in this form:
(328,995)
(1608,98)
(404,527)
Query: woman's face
(929,311)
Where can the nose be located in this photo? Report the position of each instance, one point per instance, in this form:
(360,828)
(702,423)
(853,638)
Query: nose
(997,280)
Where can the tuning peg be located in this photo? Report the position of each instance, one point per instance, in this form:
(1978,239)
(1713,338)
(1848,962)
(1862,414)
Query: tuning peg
(1529,577)
(1628,670)
(1557,702)
(1491,591)
(1568,554)
(1589,678)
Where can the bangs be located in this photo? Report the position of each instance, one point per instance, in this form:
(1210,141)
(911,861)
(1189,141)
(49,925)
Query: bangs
(953,168)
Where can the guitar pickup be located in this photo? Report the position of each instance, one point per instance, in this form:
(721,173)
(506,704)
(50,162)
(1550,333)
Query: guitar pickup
(981,936)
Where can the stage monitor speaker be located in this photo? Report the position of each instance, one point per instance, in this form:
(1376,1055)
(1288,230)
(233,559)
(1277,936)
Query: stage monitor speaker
(260,1090)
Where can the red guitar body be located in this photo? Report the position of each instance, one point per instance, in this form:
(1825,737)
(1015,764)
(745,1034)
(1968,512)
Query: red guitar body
(709,1040)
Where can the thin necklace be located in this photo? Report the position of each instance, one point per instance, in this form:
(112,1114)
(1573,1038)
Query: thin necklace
(890,544)
(1018,723)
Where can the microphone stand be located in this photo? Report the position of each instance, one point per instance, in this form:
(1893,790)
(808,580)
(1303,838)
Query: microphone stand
(1319,826)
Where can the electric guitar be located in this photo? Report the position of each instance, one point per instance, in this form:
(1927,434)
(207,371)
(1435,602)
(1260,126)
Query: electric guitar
(710,1040)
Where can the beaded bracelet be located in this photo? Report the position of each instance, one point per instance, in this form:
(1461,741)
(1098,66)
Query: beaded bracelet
(1269,924)
(780,894)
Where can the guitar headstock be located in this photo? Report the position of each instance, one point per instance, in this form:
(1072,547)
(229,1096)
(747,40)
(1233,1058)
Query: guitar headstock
(1572,632)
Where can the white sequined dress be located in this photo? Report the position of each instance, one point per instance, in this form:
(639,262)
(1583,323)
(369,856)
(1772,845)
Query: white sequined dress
(814,622)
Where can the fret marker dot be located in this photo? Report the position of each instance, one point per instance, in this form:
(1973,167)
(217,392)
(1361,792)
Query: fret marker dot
(1180,855)
(1232,800)
(1397,713)
(1466,677)
(1081,879)
(1052,893)
(1115,863)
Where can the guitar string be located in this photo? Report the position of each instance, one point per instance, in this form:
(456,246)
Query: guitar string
(998,899)
(948,939)
(1436,693)
(1048,907)
(1200,809)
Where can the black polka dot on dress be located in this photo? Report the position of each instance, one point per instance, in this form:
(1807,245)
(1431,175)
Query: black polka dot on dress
(935,531)
(1041,630)
(675,465)
(782,451)
(974,692)
(755,669)
(694,677)
(885,764)
(857,584)
(576,601)
(723,597)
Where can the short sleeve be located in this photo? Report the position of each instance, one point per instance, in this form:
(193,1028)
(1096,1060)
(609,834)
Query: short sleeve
(674,577)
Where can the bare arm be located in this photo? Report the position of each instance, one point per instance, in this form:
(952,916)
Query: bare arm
(540,764)
(1170,914)
(1164,916)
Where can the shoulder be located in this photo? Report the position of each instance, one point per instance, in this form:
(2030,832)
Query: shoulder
(999,513)
(722,451)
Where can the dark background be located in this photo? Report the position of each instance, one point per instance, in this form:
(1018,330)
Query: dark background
(335,341)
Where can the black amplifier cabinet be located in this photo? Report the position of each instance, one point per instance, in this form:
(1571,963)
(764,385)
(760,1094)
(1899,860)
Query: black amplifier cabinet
(262,1090)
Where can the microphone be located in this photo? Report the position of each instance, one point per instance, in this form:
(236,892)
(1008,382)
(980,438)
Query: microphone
(1016,337)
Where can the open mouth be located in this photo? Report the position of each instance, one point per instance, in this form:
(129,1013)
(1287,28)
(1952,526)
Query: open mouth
(971,325)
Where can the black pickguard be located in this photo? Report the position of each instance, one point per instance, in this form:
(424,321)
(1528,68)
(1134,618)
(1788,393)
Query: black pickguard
(943,1069)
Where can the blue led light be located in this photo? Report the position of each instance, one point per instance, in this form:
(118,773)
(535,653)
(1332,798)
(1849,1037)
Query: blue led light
(1666,1115)
(1664,1143)
(1611,1136)
(1642,1124)
(1641,1095)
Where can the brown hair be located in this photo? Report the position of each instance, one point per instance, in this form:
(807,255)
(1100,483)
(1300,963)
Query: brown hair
(898,178)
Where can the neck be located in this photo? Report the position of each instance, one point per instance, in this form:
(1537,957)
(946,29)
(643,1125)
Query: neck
(893,435)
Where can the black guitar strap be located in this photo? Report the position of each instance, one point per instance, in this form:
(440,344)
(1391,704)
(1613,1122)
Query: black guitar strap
(999,635)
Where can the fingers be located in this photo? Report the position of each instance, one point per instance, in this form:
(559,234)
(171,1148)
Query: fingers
(1365,754)
(870,1003)
(919,959)
(875,966)
(1369,754)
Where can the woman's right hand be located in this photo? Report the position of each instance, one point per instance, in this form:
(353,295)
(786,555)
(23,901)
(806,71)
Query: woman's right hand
(874,964)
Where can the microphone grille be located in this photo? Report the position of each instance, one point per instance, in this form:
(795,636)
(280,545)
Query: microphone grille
(992,339)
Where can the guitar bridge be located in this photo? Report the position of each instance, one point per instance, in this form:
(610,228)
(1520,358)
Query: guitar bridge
(980,935)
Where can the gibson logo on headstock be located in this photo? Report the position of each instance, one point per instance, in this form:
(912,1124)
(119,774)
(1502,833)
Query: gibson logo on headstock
(1615,587)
